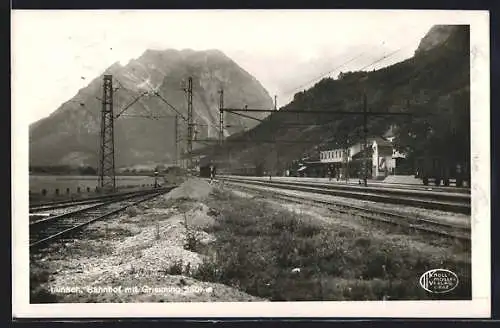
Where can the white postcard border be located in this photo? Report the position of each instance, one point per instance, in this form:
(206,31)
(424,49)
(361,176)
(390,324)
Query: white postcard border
(481,268)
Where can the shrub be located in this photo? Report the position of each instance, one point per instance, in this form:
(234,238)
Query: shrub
(192,241)
(176,268)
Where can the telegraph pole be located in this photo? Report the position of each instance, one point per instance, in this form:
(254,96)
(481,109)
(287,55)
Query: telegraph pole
(107,147)
(365,130)
(190,122)
(221,116)
(345,162)
(278,168)
(276,143)
(176,128)
(221,128)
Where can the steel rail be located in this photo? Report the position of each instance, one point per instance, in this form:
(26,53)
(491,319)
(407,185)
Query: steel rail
(52,222)
(388,217)
(457,203)
(69,203)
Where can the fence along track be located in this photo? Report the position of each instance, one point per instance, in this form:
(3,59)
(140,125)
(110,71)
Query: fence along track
(53,228)
(387,217)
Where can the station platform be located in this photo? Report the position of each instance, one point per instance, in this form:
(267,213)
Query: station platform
(402,179)
(389,180)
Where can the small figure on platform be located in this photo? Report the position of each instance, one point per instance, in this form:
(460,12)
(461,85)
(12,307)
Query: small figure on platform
(212,173)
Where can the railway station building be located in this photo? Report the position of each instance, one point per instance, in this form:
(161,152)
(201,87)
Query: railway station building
(380,155)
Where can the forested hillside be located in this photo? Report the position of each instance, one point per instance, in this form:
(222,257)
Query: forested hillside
(433,85)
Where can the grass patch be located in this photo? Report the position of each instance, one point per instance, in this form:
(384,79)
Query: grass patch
(182,204)
(107,231)
(258,247)
(38,293)
(88,248)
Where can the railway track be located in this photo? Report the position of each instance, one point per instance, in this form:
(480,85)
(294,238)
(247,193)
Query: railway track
(444,201)
(342,183)
(411,222)
(47,206)
(54,227)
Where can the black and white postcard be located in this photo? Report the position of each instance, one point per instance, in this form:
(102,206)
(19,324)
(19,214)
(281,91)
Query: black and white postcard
(250,163)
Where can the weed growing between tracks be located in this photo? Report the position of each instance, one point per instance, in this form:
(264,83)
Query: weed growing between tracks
(280,255)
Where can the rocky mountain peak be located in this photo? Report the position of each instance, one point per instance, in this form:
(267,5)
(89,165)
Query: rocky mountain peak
(437,35)
(73,129)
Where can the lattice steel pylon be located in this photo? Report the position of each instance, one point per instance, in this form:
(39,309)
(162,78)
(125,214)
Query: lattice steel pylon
(107,143)
(190,123)
(177,139)
(221,117)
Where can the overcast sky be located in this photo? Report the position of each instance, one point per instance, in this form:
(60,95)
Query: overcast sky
(286,51)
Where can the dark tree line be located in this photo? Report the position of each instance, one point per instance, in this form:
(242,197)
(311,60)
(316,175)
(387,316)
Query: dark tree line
(445,133)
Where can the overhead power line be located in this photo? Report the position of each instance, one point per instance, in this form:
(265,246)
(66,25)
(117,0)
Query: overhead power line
(322,75)
(248,116)
(345,63)
(332,70)
(156,93)
(131,103)
(153,92)
(382,58)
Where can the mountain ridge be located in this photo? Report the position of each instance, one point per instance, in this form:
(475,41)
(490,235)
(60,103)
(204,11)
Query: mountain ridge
(69,135)
(436,80)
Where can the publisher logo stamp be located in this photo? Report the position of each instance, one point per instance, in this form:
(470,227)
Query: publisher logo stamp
(439,281)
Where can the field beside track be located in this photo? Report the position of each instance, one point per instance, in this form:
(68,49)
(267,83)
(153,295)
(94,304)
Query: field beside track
(286,252)
(61,182)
